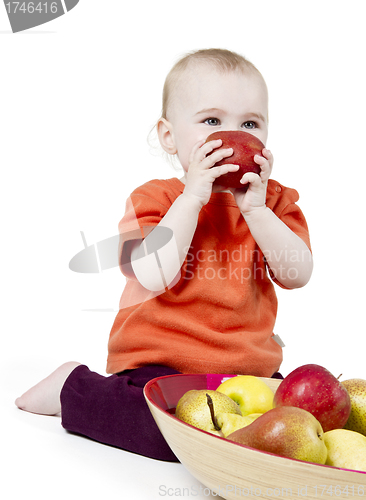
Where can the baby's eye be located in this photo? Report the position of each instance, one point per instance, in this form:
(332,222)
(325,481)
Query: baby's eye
(212,121)
(249,125)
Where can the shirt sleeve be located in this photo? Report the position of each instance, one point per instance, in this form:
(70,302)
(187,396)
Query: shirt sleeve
(145,208)
(282,201)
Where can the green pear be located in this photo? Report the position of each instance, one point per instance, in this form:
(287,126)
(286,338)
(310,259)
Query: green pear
(193,408)
(250,392)
(356,389)
(231,422)
(346,449)
(287,431)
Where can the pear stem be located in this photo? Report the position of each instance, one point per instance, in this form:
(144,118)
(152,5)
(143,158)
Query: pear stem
(212,411)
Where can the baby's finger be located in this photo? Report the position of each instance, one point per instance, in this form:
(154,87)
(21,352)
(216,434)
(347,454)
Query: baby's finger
(250,178)
(223,169)
(202,149)
(217,156)
(260,160)
(267,154)
(207,147)
(265,165)
(196,148)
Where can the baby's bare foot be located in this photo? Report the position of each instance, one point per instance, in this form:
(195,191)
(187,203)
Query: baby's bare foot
(44,397)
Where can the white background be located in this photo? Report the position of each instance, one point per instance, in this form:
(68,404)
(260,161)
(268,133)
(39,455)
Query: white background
(79,97)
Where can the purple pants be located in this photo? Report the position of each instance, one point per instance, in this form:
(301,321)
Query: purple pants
(113,410)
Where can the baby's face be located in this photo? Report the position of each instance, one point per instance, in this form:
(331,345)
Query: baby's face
(206,100)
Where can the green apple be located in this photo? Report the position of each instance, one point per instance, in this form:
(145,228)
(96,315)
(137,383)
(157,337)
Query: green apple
(231,422)
(346,449)
(193,408)
(249,392)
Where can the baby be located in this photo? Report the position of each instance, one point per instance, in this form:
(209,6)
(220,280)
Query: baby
(213,307)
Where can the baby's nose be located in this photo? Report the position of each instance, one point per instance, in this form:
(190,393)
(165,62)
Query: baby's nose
(231,127)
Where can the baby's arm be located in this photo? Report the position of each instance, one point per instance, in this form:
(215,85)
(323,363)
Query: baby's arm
(182,219)
(287,255)
(182,216)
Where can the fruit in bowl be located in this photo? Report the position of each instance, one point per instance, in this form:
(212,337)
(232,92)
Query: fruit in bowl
(245,147)
(286,431)
(250,392)
(356,389)
(346,449)
(194,409)
(313,388)
(235,403)
(246,471)
(231,422)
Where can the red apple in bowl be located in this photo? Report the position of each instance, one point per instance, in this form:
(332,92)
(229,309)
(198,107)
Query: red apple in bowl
(313,388)
(245,147)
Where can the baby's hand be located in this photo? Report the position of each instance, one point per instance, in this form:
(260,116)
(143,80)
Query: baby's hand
(202,172)
(255,196)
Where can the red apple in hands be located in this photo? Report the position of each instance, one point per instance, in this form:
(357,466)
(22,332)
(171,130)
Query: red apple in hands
(245,147)
(315,389)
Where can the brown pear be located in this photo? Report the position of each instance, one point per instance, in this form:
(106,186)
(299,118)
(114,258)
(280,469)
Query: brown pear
(287,431)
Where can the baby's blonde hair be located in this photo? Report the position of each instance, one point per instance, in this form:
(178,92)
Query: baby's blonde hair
(221,59)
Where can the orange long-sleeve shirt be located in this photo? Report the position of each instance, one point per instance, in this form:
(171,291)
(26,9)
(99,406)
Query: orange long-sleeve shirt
(219,316)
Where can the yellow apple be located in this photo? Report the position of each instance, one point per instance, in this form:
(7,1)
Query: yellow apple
(249,392)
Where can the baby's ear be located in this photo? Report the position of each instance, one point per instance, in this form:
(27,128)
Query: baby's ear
(166,136)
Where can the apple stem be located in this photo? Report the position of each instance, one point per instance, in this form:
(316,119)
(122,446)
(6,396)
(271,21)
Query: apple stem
(211,406)
(339,376)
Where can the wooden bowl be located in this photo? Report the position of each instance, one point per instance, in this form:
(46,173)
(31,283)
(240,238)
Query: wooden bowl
(235,471)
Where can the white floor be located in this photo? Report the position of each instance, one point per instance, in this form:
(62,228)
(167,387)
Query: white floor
(42,461)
